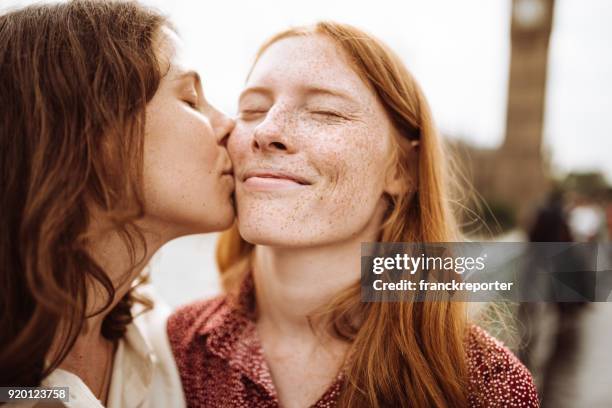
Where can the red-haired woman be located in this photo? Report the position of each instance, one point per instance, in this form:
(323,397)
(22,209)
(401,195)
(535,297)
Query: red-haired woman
(108,150)
(334,146)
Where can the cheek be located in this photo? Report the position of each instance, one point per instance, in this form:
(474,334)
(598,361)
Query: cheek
(180,158)
(181,143)
(238,142)
(354,162)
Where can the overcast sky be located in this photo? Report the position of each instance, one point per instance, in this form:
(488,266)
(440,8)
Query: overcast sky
(458,50)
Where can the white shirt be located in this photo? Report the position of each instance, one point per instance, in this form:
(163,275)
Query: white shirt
(144,372)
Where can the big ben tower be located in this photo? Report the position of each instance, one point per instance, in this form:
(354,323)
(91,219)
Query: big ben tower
(521,176)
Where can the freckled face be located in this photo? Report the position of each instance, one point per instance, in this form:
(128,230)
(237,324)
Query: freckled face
(310,147)
(187,187)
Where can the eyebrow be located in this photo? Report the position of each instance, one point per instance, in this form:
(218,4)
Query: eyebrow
(308,90)
(193,75)
(262,90)
(316,90)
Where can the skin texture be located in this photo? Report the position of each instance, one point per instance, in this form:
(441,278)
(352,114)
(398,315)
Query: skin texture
(307,235)
(289,120)
(185,156)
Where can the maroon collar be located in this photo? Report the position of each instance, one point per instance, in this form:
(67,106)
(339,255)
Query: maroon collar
(232,336)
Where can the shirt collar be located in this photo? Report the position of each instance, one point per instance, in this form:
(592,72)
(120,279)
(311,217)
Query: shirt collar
(133,369)
(231,335)
(233,312)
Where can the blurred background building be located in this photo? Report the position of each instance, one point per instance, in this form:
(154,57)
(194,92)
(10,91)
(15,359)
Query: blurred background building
(516,174)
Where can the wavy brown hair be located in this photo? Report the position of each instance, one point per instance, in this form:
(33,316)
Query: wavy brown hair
(74,82)
(402,354)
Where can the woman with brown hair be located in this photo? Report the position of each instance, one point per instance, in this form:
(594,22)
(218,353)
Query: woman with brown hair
(108,150)
(334,145)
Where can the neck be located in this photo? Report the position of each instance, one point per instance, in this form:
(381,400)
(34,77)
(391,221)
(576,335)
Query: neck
(292,283)
(91,354)
(109,250)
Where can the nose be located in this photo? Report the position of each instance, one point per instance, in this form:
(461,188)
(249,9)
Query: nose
(223,127)
(271,134)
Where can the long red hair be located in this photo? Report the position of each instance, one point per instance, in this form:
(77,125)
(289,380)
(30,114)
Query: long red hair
(402,353)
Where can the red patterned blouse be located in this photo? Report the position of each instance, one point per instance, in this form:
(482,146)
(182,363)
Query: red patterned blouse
(221,362)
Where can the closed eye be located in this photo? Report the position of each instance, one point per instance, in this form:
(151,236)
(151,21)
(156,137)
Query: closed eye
(247,114)
(192,104)
(329,114)
(191,98)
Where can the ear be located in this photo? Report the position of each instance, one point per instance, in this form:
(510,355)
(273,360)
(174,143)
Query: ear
(396,183)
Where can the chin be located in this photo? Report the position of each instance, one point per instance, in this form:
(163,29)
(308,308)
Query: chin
(226,223)
(210,221)
(272,235)
(222,219)
(259,233)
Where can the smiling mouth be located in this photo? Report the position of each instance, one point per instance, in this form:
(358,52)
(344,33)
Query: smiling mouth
(269,180)
(280,176)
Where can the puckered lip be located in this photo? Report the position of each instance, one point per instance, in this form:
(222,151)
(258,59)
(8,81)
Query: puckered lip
(228,172)
(275,173)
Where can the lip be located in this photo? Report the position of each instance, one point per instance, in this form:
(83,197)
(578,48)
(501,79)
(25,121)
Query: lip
(272,180)
(275,175)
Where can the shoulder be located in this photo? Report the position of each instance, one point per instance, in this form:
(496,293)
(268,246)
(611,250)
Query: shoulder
(496,376)
(193,320)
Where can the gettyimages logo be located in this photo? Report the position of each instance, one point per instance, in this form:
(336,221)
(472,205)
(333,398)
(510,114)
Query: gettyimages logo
(413,264)
(486,271)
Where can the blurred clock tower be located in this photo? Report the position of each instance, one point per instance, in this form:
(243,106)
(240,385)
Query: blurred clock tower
(521,171)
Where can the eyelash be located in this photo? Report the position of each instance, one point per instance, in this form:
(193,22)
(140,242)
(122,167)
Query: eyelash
(330,114)
(191,104)
(252,112)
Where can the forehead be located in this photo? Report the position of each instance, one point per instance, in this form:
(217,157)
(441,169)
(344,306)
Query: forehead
(306,62)
(170,52)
